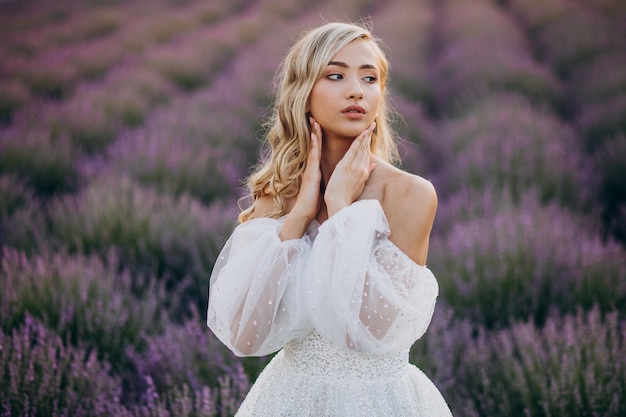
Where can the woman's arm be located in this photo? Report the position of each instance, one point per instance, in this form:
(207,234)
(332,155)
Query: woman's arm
(253,297)
(368,293)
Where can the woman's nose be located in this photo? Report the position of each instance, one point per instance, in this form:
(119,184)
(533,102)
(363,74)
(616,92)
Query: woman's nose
(355,91)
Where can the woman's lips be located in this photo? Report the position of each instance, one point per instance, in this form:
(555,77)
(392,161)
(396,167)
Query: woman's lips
(354,112)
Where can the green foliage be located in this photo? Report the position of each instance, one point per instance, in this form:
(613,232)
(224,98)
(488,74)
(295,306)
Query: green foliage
(188,357)
(602,79)
(573,366)
(93,24)
(13,95)
(40,376)
(125,131)
(46,165)
(87,127)
(177,164)
(513,263)
(83,301)
(191,64)
(14,194)
(506,143)
(176,239)
(56,82)
(601,121)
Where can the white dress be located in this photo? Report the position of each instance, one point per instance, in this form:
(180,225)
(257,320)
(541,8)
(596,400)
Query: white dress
(342,304)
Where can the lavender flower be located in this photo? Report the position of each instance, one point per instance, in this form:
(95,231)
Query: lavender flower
(480,57)
(97,112)
(175,238)
(13,95)
(572,366)
(410,38)
(56,82)
(83,300)
(568,34)
(149,116)
(87,26)
(577,38)
(512,263)
(177,164)
(602,79)
(506,143)
(600,121)
(188,356)
(189,63)
(41,376)
(609,160)
(14,195)
(45,164)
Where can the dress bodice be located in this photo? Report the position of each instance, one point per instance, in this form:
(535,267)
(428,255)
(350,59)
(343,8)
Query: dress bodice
(317,356)
(344,279)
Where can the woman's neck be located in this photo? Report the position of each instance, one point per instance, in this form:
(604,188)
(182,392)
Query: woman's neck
(332,152)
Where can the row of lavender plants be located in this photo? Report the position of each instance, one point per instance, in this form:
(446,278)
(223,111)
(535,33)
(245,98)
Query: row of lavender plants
(585,46)
(117,193)
(110,241)
(76,42)
(528,275)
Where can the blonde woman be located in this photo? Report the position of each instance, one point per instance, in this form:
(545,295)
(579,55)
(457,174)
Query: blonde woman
(327,265)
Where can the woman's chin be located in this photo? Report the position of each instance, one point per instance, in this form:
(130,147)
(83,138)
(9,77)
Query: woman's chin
(348,132)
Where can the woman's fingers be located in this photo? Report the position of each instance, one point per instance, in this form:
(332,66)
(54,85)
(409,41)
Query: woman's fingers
(360,147)
(308,200)
(363,151)
(316,144)
(351,173)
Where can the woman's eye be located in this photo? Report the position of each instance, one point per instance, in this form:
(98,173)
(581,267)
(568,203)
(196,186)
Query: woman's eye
(370,79)
(335,76)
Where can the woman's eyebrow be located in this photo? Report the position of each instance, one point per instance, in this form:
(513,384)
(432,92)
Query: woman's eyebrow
(344,65)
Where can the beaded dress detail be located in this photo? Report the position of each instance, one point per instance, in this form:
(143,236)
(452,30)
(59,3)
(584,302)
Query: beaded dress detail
(342,306)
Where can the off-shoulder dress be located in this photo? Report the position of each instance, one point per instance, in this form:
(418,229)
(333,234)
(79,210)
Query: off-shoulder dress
(342,306)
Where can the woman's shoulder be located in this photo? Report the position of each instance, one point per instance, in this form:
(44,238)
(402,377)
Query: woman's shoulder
(410,196)
(265,206)
(410,204)
(402,186)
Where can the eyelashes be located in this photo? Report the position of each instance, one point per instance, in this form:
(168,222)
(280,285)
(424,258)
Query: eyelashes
(370,79)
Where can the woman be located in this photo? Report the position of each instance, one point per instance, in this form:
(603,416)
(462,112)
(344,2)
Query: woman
(327,265)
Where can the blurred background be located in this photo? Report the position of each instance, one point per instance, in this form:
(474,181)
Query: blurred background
(125,131)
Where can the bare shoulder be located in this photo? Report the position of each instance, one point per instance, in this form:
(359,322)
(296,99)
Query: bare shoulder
(405,192)
(418,193)
(265,207)
(410,204)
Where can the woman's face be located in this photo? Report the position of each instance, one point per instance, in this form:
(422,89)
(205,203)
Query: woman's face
(346,99)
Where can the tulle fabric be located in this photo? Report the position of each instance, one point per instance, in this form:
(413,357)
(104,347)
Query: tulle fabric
(351,283)
(362,291)
(343,303)
(255,305)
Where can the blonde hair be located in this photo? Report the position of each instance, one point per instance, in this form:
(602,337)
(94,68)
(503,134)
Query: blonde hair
(288,134)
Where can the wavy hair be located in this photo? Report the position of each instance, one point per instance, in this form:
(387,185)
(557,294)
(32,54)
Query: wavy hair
(287,141)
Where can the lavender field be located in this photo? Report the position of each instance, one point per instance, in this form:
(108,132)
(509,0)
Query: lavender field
(125,131)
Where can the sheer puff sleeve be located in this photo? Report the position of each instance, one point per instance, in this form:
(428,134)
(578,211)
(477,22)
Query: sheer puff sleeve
(253,296)
(362,291)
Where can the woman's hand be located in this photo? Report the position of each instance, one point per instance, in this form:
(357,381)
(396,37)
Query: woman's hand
(348,179)
(308,202)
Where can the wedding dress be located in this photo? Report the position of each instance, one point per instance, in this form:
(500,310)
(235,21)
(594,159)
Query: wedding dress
(342,305)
